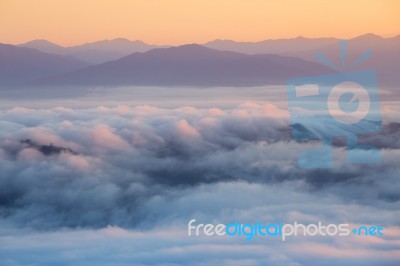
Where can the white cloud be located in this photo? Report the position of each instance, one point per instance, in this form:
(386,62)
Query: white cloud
(148,170)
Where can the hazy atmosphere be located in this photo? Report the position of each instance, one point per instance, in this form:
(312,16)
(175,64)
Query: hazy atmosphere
(122,122)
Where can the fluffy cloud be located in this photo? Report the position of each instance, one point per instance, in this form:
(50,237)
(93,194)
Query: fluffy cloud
(153,169)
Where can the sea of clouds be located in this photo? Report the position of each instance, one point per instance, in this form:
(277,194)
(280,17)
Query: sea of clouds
(117,186)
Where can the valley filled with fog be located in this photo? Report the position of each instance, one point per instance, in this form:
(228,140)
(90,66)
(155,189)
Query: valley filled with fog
(124,169)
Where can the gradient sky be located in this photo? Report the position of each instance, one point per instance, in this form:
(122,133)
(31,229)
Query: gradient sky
(71,22)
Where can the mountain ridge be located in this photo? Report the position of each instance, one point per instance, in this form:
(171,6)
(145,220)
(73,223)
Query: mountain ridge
(21,64)
(188,65)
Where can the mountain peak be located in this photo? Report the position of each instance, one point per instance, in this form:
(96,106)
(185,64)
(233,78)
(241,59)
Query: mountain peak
(192,46)
(120,40)
(220,41)
(44,46)
(188,50)
(40,42)
(369,36)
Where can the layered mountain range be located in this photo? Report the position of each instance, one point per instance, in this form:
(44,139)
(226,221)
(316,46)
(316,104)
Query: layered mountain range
(122,62)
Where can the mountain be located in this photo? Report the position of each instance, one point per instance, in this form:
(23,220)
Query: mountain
(280,46)
(190,65)
(121,45)
(95,52)
(355,47)
(125,62)
(108,50)
(19,64)
(44,46)
(385,57)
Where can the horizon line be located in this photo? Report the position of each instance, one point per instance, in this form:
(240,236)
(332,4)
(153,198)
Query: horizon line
(200,43)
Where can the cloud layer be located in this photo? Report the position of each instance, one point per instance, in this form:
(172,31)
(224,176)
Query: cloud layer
(127,177)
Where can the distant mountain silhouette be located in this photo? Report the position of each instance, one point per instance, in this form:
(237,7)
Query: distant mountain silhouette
(190,65)
(279,46)
(19,65)
(229,64)
(95,52)
(385,57)
(45,46)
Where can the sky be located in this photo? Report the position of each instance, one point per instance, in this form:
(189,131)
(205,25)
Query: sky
(72,22)
(100,180)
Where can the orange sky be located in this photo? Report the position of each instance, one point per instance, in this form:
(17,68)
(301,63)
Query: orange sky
(70,22)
